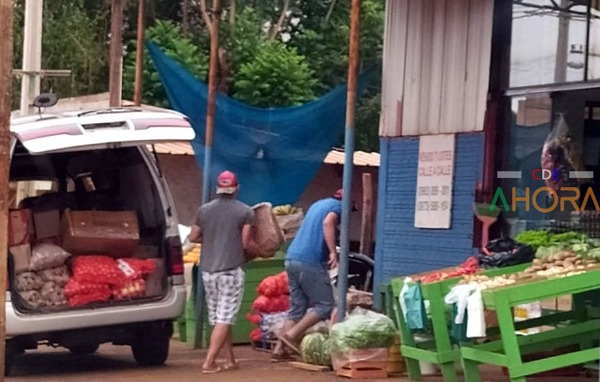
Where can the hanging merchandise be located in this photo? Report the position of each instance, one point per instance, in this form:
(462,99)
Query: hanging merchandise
(476,326)
(414,307)
(560,155)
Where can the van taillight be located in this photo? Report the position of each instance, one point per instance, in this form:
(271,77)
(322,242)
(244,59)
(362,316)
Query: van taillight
(175,254)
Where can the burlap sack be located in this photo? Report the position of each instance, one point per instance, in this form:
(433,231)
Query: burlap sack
(290,224)
(266,237)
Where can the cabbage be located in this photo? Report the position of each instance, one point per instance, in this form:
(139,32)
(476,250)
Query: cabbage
(363,329)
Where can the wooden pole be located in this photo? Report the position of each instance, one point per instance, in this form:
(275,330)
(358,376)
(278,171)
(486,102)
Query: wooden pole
(366,229)
(212,97)
(6,56)
(139,54)
(116,52)
(210,125)
(349,159)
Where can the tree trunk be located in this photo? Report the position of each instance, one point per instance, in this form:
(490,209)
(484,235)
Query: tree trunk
(225,76)
(116,53)
(276,29)
(6,55)
(205,16)
(330,10)
(185,17)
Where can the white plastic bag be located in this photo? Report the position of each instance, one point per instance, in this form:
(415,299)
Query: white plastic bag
(459,295)
(476,326)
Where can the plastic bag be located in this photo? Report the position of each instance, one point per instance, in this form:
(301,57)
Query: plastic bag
(45,256)
(28,281)
(59,275)
(561,154)
(416,315)
(506,252)
(476,326)
(363,329)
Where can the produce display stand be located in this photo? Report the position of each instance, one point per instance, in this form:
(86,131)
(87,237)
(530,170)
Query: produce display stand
(576,329)
(440,351)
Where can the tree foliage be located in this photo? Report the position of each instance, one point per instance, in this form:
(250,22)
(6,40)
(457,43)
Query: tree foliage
(273,53)
(276,77)
(169,37)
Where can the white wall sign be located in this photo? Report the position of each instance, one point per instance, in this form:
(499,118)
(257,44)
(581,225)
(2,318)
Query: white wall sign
(434,181)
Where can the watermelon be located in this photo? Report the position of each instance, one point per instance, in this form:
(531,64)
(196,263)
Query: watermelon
(326,353)
(312,349)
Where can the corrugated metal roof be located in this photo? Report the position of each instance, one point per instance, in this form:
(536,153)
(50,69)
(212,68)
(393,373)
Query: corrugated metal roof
(361,158)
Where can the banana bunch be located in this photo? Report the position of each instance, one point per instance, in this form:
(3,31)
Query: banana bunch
(193,255)
(286,209)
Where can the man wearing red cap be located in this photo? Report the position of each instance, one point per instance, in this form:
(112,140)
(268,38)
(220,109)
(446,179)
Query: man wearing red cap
(308,258)
(223,227)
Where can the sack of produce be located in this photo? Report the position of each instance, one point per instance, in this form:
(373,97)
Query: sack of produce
(265,237)
(53,294)
(273,286)
(46,256)
(561,154)
(32,299)
(362,329)
(59,275)
(96,269)
(82,293)
(132,289)
(134,269)
(28,281)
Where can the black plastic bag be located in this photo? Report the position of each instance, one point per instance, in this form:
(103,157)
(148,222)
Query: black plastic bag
(506,252)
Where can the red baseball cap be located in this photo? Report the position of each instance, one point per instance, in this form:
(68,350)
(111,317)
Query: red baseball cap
(227,183)
(339,194)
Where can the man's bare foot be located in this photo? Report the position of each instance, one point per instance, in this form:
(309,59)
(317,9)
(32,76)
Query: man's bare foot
(210,369)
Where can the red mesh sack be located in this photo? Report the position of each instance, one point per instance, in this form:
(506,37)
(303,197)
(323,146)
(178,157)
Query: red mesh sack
(261,304)
(131,289)
(98,270)
(253,318)
(74,288)
(84,299)
(135,268)
(256,335)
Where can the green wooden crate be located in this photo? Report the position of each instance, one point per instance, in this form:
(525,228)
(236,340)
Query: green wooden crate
(256,271)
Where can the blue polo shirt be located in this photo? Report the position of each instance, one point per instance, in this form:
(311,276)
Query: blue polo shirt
(309,244)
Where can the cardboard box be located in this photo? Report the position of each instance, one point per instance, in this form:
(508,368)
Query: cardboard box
(155,281)
(100,232)
(21,254)
(47,224)
(20,227)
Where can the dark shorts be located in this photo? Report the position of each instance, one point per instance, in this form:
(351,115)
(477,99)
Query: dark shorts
(310,288)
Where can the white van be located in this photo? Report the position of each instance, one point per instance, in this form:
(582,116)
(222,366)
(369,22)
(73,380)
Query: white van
(98,161)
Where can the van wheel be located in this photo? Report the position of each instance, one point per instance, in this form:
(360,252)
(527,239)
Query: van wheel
(150,351)
(84,348)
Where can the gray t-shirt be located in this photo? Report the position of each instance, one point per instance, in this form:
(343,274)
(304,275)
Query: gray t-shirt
(221,222)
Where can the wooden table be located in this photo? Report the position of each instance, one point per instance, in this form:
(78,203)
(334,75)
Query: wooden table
(573,327)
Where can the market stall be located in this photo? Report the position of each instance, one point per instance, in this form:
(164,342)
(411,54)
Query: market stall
(456,314)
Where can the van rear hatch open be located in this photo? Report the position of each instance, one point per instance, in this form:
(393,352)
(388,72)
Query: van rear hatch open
(111,128)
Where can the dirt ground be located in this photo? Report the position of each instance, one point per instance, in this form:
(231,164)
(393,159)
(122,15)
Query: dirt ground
(115,364)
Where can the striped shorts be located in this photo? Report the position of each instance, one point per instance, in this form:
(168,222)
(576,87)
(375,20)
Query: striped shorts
(223,292)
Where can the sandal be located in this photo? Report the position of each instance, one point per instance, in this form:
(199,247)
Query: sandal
(283,357)
(289,343)
(211,370)
(231,366)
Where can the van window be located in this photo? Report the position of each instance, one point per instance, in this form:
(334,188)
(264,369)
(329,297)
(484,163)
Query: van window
(23,189)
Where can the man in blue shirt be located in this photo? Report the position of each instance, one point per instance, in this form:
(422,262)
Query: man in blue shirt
(309,256)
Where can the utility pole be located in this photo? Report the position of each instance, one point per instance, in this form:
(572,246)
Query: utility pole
(31,72)
(348,159)
(6,56)
(116,53)
(562,43)
(139,54)
(210,125)
(32,54)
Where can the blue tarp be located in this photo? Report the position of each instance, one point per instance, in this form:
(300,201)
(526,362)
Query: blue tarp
(274,152)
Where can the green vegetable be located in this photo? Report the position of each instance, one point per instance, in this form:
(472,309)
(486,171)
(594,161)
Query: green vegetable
(534,239)
(543,252)
(568,237)
(312,349)
(363,329)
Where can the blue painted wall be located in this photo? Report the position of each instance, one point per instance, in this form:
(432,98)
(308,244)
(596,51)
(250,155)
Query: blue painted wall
(403,249)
